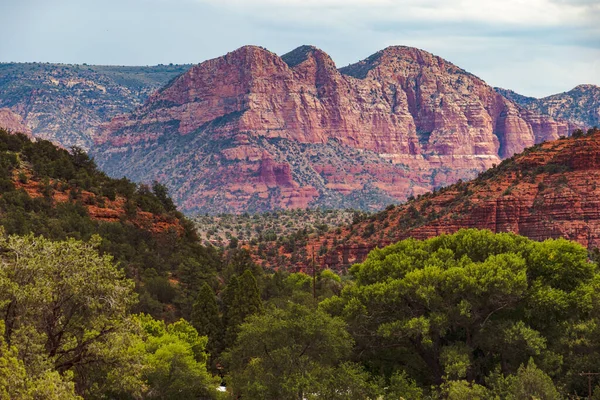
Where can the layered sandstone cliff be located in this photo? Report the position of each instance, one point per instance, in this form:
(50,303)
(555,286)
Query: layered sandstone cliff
(399,123)
(549,191)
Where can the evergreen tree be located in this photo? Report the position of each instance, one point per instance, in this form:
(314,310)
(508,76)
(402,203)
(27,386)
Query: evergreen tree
(241,299)
(205,318)
(248,295)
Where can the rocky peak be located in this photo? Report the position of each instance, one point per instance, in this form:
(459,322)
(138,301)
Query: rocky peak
(407,59)
(299,55)
(585,87)
(579,106)
(251,58)
(420,121)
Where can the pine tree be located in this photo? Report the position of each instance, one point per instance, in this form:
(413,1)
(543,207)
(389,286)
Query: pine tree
(250,301)
(205,318)
(241,299)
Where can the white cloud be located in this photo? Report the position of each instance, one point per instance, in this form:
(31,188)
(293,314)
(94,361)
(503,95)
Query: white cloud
(536,47)
(517,12)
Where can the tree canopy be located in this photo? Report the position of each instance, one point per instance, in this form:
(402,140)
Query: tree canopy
(458,307)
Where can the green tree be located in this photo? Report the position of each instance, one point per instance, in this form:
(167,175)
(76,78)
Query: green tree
(174,361)
(238,261)
(206,319)
(295,352)
(457,307)
(62,303)
(241,299)
(162,194)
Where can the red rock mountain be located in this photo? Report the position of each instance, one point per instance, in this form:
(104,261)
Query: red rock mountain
(550,190)
(252,131)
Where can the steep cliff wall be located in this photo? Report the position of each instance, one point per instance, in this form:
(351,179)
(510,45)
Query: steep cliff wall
(399,123)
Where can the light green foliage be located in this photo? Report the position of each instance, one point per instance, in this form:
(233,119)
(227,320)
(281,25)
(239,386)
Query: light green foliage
(12,371)
(174,362)
(403,387)
(347,381)
(284,353)
(455,361)
(463,390)
(62,302)
(52,386)
(532,382)
(17,384)
(529,382)
(458,306)
(297,287)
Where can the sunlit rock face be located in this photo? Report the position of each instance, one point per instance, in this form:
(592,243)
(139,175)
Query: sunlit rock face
(253,131)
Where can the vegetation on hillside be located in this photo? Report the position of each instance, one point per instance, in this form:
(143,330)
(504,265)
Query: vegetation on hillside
(63,188)
(137,309)
(66,103)
(229,229)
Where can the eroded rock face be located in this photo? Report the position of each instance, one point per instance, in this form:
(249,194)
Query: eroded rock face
(550,191)
(257,130)
(579,106)
(13,122)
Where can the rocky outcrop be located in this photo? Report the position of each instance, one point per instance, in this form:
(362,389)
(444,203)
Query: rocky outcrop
(66,103)
(399,123)
(548,191)
(98,208)
(13,122)
(580,107)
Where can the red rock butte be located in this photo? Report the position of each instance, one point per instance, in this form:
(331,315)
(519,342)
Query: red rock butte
(253,131)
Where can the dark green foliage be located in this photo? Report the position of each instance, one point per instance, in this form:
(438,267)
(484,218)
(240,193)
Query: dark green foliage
(296,352)
(241,299)
(369,231)
(206,319)
(239,260)
(162,194)
(135,248)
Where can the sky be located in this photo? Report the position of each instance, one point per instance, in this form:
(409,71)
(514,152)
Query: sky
(534,47)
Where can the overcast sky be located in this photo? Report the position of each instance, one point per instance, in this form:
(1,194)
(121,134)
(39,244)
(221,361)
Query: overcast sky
(535,47)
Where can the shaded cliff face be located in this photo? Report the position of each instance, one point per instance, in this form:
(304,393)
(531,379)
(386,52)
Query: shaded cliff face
(13,122)
(252,131)
(549,191)
(66,103)
(580,106)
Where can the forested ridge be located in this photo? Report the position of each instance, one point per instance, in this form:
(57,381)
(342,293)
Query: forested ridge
(107,293)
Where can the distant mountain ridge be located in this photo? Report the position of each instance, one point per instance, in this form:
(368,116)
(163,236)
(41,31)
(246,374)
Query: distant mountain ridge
(66,103)
(580,105)
(252,131)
